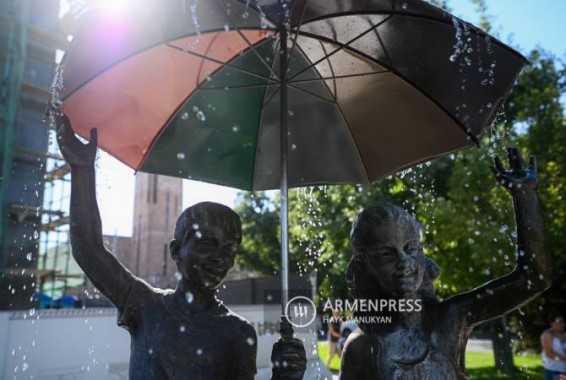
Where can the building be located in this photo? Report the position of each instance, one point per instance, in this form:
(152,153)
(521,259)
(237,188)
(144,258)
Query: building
(28,44)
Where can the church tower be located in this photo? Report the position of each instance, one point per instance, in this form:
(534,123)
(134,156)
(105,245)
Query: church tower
(158,203)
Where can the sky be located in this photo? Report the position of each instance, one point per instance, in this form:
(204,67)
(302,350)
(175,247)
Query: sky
(523,24)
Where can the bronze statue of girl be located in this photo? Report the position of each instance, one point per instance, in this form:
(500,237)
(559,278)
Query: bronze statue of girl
(389,263)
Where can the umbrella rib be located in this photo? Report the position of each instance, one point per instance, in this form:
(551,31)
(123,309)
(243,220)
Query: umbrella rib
(341,112)
(242,86)
(341,47)
(383,46)
(296,36)
(219,62)
(335,94)
(268,98)
(333,101)
(251,46)
(333,77)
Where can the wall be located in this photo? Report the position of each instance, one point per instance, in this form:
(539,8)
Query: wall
(86,344)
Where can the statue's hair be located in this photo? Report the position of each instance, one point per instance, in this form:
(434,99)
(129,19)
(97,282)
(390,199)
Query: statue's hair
(207,214)
(361,236)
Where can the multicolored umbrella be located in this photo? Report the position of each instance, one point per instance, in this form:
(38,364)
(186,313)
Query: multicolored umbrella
(274,94)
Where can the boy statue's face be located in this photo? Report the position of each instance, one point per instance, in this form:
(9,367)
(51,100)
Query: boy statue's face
(205,256)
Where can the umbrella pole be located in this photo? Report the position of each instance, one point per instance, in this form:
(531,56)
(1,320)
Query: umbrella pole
(284,157)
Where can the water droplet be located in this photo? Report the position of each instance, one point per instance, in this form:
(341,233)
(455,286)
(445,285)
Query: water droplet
(453,58)
(404,6)
(178,276)
(199,351)
(245,15)
(250,341)
(226,28)
(200,116)
(291,113)
(150,351)
(29,256)
(236,128)
(182,329)
(189,297)
(195,226)
(185,116)
(36,235)
(198,234)
(293,147)
(180,156)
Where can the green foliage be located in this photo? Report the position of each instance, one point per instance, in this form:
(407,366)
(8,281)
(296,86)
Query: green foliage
(485,20)
(472,226)
(260,225)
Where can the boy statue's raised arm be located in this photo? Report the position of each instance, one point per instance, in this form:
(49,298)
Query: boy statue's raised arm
(100,266)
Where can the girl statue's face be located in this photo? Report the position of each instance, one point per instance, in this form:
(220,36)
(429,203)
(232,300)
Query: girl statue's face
(394,257)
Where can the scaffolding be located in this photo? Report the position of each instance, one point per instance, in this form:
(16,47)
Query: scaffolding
(35,255)
(14,33)
(59,274)
(34,244)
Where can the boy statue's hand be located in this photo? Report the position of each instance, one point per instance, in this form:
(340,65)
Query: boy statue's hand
(75,152)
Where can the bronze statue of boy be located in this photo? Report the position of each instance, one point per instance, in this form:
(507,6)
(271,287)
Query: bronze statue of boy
(186,333)
(389,263)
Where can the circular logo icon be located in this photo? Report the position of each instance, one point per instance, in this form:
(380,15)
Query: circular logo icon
(300,311)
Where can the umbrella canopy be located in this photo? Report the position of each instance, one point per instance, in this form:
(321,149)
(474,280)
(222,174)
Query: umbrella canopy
(278,93)
(191,89)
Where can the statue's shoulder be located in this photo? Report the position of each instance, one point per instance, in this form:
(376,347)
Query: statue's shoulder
(357,361)
(357,343)
(236,320)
